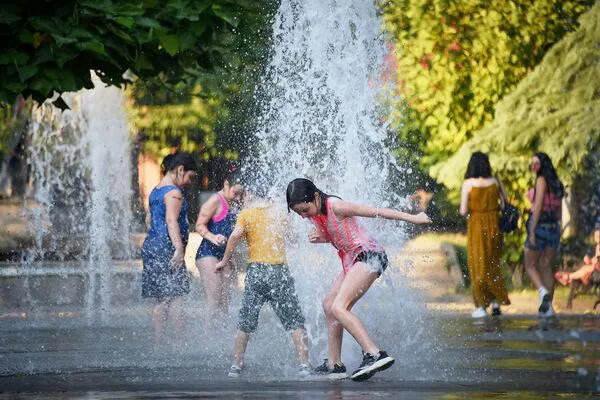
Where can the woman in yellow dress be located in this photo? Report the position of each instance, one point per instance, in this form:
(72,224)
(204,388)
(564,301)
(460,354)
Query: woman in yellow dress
(481,196)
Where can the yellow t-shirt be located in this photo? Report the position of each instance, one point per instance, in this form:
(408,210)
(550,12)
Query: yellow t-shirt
(264,229)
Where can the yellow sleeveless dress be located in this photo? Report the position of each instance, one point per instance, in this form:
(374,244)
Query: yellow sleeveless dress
(483,247)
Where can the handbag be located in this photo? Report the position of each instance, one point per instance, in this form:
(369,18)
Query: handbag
(509,217)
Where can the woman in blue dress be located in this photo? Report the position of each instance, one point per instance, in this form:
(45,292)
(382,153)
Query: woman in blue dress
(164,276)
(215,223)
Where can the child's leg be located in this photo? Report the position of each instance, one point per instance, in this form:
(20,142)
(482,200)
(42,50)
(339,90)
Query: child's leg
(252,301)
(356,283)
(335,330)
(212,282)
(239,347)
(300,340)
(285,303)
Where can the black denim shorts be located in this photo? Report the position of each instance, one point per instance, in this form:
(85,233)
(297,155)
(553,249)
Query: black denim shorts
(377,261)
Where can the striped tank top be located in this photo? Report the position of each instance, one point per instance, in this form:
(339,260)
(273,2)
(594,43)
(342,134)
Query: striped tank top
(348,236)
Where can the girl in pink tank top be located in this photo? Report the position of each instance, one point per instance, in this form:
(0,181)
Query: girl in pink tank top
(363,261)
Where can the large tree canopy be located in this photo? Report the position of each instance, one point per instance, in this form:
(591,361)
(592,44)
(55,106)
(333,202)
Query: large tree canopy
(48,46)
(457,59)
(555,109)
(208,114)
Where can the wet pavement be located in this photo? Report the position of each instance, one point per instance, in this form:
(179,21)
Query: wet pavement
(507,357)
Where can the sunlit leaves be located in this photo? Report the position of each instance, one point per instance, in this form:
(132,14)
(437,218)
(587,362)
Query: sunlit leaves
(147,38)
(456,60)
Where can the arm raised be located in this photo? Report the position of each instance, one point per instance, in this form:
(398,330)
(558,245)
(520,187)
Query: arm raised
(343,208)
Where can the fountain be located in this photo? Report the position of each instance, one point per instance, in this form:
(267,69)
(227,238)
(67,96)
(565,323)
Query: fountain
(80,202)
(322,118)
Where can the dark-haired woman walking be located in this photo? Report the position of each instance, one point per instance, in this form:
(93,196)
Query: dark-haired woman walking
(543,229)
(363,261)
(164,276)
(481,195)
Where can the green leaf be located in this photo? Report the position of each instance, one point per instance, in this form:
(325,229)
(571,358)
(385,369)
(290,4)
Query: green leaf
(26,37)
(44,24)
(187,40)
(9,15)
(15,87)
(27,72)
(53,74)
(142,63)
(125,21)
(226,13)
(80,33)
(148,22)
(92,45)
(17,57)
(63,40)
(64,56)
(170,43)
(42,85)
(67,82)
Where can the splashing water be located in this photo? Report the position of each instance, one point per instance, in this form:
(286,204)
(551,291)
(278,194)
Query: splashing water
(322,119)
(81,173)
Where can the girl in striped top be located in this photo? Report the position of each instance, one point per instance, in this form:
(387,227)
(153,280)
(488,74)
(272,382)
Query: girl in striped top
(363,261)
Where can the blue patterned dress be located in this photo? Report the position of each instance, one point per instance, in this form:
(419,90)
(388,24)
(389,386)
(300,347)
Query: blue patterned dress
(158,280)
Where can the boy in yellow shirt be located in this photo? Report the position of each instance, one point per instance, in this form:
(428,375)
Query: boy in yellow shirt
(267,279)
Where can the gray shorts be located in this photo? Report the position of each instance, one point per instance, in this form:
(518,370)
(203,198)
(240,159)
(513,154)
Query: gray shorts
(272,283)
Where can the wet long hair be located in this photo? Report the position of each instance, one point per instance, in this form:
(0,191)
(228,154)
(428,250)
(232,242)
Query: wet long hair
(549,173)
(302,190)
(232,175)
(173,161)
(479,166)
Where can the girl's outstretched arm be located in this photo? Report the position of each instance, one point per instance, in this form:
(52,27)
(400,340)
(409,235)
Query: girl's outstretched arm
(343,208)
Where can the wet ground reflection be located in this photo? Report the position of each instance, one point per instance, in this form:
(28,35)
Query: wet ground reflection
(504,357)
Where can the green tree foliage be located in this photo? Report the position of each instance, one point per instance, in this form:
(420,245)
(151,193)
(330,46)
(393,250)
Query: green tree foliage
(456,60)
(210,114)
(48,46)
(555,109)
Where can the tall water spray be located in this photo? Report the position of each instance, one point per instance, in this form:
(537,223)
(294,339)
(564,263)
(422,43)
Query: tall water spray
(322,119)
(81,178)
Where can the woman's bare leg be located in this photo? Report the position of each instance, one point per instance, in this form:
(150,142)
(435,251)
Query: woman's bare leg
(356,283)
(545,264)
(531,266)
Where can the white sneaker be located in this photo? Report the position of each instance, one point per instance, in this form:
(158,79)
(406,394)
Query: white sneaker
(478,313)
